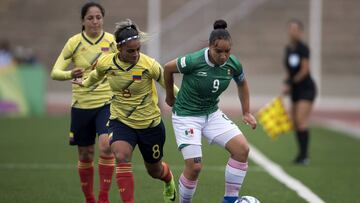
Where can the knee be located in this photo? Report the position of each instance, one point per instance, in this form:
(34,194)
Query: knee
(86,153)
(122,157)
(242,153)
(301,127)
(155,173)
(194,170)
(104,148)
(197,168)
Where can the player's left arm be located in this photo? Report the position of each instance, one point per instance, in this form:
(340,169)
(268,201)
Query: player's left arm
(244,96)
(304,66)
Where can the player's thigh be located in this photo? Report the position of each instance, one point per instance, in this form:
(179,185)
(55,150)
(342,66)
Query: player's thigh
(82,127)
(303,110)
(122,139)
(238,147)
(151,143)
(102,119)
(220,129)
(187,129)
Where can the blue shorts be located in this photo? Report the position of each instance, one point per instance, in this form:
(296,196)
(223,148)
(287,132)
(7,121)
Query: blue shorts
(87,123)
(150,140)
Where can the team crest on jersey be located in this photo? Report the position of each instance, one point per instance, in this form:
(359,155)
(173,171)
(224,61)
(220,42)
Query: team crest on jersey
(229,71)
(189,132)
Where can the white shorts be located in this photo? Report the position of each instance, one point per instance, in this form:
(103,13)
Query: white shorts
(216,127)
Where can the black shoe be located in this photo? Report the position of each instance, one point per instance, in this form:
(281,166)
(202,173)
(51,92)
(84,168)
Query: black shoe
(302,161)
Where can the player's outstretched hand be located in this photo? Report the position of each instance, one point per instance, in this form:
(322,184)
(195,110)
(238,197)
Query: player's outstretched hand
(77,81)
(250,120)
(170,100)
(77,73)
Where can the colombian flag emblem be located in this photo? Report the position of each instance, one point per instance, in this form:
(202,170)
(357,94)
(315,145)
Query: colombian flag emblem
(136,75)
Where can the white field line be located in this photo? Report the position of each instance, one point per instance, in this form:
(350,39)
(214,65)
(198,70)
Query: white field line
(342,127)
(279,174)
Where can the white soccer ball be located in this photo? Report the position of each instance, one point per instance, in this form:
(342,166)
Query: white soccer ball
(247,199)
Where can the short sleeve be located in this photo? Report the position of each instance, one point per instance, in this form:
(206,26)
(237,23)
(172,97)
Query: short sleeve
(156,71)
(184,64)
(239,75)
(305,52)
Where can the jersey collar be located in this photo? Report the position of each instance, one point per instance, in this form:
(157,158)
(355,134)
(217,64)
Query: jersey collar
(121,65)
(90,40)
(206,54)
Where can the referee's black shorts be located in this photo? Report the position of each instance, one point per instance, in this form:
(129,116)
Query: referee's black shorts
(304,91)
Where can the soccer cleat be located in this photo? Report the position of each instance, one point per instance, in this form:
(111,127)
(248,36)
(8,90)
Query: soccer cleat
(230,200)
(302,161)
(169,191)
(103,198)
(103,201)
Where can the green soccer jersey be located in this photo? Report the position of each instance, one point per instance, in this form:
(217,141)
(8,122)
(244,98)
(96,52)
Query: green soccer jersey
(203,82)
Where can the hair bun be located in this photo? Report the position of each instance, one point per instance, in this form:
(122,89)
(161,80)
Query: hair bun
(220,24)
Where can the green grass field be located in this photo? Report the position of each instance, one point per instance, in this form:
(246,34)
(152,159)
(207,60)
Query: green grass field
(37,165)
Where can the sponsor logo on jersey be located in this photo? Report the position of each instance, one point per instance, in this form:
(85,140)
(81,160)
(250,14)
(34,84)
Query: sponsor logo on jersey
(105,49)
(183,62)
(294,60)
(104,46)
(202,74)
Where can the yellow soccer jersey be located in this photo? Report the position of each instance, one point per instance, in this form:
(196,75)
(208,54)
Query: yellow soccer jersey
(135,96)
(83,51)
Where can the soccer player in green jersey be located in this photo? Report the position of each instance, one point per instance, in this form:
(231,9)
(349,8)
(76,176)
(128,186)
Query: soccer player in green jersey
(135,116)
(206,74)
(90,106)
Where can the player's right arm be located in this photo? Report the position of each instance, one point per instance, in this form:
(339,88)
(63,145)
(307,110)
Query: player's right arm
(169,69)
(95,75)
(59,71)
(180,65)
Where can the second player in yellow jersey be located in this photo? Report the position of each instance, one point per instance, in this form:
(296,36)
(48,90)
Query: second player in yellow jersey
(90,109)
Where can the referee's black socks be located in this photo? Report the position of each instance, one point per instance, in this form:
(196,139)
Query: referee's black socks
(303,140)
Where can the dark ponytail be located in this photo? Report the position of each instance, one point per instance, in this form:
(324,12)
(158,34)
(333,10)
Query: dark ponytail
(219,32)
(85,8)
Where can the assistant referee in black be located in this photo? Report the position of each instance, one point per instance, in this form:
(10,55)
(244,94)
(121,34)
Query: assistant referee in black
(300,86)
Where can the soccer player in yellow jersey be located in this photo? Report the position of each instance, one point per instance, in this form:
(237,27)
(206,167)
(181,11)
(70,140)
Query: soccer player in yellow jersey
(90,106)
(135,117)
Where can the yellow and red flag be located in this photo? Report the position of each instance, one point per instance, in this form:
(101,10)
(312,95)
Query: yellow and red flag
(274,118)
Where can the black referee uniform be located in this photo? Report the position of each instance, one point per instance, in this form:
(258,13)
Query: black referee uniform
(305,89)
(302,90)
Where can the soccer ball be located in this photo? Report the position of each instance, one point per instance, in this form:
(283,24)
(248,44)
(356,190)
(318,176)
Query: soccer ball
(247,199)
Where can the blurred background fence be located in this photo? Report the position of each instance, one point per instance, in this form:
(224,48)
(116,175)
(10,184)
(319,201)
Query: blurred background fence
(258,29)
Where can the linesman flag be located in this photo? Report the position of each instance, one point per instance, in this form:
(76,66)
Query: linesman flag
(274,119)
